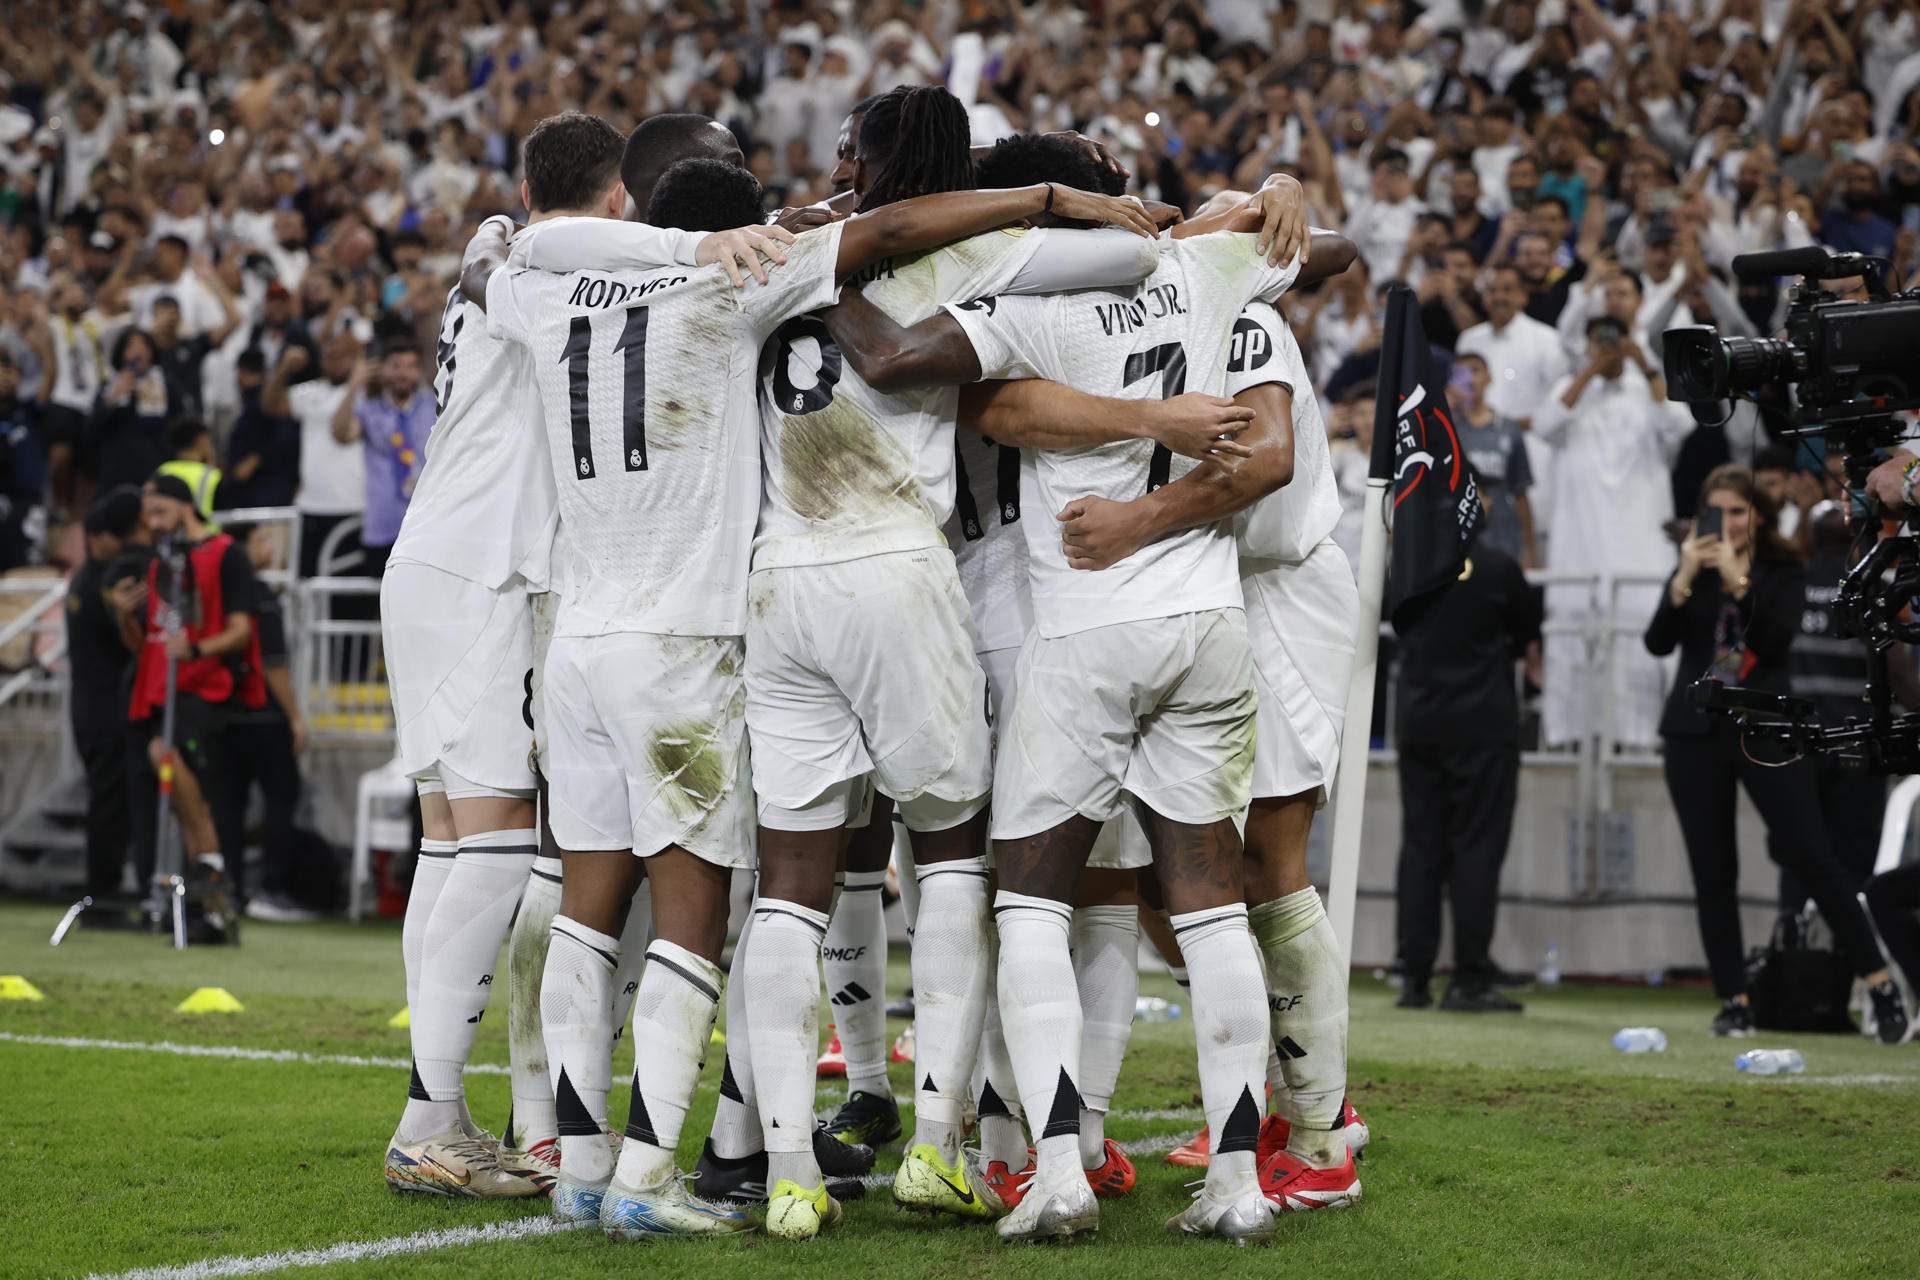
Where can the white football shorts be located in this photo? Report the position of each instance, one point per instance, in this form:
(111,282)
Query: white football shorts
(647,745)
(1300,620)
(866,666)
(459,660)
(1000,666)
(1161,709)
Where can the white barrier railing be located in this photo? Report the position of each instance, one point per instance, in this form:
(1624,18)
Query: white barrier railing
(341,672)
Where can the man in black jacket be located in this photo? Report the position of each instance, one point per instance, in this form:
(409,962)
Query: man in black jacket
(1459,745)
(111,582)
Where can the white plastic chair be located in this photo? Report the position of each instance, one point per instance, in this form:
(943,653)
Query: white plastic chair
(1893,828)
(376,824)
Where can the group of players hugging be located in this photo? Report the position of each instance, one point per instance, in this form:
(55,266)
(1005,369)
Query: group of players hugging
(695,485)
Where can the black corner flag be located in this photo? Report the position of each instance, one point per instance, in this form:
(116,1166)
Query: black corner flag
(1434,502)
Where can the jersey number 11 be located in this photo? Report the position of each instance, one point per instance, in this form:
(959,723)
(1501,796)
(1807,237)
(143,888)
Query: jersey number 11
(578,357)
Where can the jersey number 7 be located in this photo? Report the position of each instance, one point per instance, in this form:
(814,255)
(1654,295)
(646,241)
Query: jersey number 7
(578,357)
(1169,360)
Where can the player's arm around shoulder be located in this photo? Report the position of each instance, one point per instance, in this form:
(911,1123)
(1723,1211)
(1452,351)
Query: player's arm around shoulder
(1096,533)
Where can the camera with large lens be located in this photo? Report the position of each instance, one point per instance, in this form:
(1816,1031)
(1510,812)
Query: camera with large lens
(1849,366)
(1846,360)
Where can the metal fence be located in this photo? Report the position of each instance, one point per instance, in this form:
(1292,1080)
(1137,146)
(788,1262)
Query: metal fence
(340,670)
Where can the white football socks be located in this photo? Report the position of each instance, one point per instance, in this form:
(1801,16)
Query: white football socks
(855,961)
(1309,1020)
(1040,1009)
(736,1116)
(1002,1135)
(672,1022)
(951,986)
(1230,1028)
(1106,945)
(533,1115)
(576,1001)
(429,878)
(469,922)
(635,935)
(783,998)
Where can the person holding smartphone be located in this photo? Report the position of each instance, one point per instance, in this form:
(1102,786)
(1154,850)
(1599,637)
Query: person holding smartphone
(1732,611)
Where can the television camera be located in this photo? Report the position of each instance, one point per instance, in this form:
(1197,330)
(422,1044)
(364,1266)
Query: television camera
(1848,367)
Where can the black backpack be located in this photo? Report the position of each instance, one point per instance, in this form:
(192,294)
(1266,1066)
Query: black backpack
(1798,981)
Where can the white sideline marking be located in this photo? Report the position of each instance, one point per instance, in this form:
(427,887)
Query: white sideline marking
(244,1054)
(233,1051)
(349,1251)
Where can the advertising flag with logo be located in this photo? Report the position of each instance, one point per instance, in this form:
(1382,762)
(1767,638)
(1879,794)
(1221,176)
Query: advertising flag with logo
(1433,504)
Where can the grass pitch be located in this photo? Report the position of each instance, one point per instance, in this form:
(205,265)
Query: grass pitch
(1502,1146)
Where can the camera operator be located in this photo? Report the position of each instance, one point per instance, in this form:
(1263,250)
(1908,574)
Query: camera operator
(1831,671)
(217,653)
(1732,610)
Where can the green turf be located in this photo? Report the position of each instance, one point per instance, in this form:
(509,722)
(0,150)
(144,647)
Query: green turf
(1502,1146)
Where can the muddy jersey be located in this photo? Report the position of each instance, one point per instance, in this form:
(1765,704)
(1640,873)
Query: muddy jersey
(647,389)
(851,471)
(1170,334)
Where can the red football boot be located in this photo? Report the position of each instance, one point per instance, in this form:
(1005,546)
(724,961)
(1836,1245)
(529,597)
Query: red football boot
(1297,1187)
(1114,1178)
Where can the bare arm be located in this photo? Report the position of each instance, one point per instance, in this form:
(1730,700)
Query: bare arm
(1529,553)
(346,418)
(927,222)
(1099,532)
(486,253)
(1036,414)
(274,399)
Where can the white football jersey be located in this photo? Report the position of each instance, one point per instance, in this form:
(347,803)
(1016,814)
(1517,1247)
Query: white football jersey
(989,548)
(647,385)
(484,506)
(851,472)
(1169,334)
(1289,523)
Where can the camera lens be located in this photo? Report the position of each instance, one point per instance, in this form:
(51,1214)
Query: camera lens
(1751,362)
(1696,365)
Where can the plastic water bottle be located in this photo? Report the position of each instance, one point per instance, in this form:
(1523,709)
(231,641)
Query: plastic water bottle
(1640,1040)
(1771,1062)
(1550,967)
(1154,1009)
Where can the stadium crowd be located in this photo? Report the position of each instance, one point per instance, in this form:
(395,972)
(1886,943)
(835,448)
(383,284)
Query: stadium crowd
(249,215)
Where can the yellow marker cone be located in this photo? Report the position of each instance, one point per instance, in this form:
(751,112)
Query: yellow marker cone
(400,1020)
(15,987)
(209,1000)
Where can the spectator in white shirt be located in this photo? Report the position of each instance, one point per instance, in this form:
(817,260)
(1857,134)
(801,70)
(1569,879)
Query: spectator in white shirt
(1523,356)
(200,312)
(1381,224)
(1614,434)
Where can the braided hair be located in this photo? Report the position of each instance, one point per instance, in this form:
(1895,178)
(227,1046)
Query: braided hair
(915,142)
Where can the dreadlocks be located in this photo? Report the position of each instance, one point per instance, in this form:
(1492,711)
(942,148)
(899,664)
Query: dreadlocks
(915,142)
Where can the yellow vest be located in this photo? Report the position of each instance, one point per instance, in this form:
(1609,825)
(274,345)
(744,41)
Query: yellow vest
(203,479)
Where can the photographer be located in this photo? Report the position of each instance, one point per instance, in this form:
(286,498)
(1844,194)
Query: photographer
(1732,610)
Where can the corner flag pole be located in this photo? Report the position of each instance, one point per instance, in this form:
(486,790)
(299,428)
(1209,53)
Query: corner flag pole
(1350,785)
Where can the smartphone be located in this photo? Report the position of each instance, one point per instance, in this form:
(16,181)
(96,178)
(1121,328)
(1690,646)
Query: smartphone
(1707,522)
